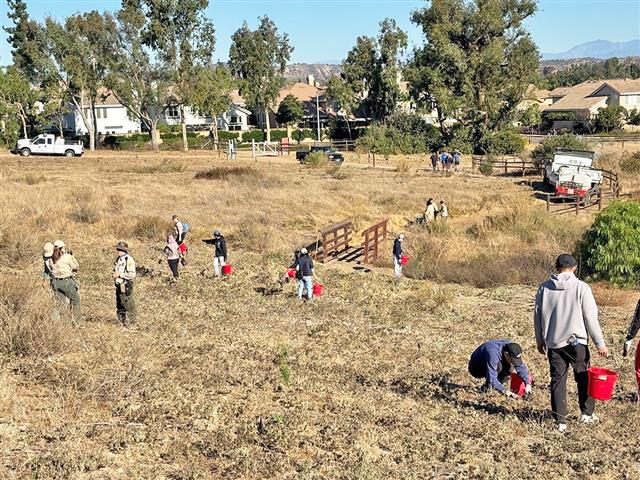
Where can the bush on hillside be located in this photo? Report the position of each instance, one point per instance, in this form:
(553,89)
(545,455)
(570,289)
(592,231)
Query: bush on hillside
(504,142)
(404,134)
(610,249)
(544,152)
(631,164)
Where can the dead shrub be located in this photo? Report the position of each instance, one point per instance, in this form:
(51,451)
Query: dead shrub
(33,178)
(336,172)
(116,203)
(27,323)
(84,210)
(253,235)
(226,173)
(17,248)
(166,166)
(151,227)
(404,168)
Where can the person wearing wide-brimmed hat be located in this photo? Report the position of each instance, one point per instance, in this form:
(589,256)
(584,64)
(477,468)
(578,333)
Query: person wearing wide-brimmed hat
(47,253)
(62,266)
(124,271)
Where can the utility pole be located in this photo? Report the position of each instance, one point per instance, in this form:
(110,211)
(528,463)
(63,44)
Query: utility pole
(318,112)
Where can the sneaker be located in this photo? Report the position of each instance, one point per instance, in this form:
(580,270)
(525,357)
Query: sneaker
(589,419)
(561,427)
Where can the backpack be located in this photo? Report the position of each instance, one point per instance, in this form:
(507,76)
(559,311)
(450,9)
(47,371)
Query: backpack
(185,228)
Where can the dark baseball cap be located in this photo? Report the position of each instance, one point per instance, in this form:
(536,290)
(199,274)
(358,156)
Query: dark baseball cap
(514,350)
(565,260)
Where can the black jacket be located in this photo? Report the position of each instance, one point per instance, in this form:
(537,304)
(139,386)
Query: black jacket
(635,324)
(397,248)
(221,247)
(304,265)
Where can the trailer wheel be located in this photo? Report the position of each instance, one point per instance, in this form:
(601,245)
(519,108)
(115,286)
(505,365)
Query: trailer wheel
(69,153)
(25,152)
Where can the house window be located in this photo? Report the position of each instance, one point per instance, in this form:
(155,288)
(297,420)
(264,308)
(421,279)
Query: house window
(104,113)
(234,119)
(172,112)
(235,128)
(98,113)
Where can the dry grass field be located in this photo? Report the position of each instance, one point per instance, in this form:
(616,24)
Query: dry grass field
(217,380)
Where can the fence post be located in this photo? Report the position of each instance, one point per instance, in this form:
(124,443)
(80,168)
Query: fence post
(253,148)
(599,199)
(577,206)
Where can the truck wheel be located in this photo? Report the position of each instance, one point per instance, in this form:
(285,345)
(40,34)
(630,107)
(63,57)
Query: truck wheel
(25,152)
(69,153)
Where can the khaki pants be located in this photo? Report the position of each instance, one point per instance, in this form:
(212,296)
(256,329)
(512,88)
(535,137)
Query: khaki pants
(66,288)
(125,307)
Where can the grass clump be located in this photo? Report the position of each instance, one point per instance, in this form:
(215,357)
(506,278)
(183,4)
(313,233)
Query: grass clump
(84,210)
(166,166)
(151,227)
(317,160)
(226,173)
(283,365)
(33,178)
(631,164)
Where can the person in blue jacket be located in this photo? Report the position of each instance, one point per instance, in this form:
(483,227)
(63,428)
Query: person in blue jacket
(494,361)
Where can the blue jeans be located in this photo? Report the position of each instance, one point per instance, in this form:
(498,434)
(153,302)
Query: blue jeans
(308,283)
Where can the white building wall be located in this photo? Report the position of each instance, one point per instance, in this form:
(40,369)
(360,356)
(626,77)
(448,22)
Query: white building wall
(111,120)
(630,101)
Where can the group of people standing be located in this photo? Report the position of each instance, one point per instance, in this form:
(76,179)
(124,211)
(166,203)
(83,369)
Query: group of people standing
(441,160)
(565,319)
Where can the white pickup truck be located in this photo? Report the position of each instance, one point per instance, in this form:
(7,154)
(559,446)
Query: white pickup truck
(47,144)
(572,174)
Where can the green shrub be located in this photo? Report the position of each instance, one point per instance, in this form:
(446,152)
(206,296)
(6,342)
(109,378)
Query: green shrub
(277,135)
(256,135)
(301,134)
(505,142)
(225,136)
(610,249)
(460,139)
(486,166)
(631,164)
(544,152)
(317,160)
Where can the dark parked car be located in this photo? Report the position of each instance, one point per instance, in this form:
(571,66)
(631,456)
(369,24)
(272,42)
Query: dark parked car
(330,152)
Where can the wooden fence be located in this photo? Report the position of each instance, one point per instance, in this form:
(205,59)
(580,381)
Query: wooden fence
(506,165)
(373,237)
(334,239)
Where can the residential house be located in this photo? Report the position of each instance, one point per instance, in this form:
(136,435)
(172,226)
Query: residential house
(236,119)
(112,118)
(579,105)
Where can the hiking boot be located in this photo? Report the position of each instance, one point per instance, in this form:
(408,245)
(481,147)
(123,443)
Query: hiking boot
(561,427)
(588,419)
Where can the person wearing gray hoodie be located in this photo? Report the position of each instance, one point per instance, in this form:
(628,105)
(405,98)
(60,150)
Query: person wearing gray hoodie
(565,317)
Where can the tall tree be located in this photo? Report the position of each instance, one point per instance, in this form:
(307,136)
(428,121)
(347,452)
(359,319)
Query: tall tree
(344,98)
(290,112)
(18,98)
(372,70)
(211,95)
(184,39)
(477,60)
(22,37)
(258,58)
(77,55)
(137,77)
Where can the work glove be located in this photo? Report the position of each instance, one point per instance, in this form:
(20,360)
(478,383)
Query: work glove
(510,394)
(627,347)
(528,389)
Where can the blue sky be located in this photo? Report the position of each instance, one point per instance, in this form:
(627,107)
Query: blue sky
(325,30)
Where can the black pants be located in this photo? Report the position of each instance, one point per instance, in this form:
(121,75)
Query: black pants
(125,306)
(559,360)
(479,370)
(173,265)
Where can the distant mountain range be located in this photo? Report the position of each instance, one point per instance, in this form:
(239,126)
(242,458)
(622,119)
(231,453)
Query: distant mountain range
(322,72)
(600,49)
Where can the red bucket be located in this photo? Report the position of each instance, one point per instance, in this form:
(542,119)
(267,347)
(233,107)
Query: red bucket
(226,269)
(318,289)
(291,273)
(404,259)
(182,247)
(517,385)
(601,383)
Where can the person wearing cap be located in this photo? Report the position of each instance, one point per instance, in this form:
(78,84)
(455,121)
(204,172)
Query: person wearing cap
(634,327)
(397,255)
(305,274)
(62,268)
(494,361)
(220,254)
(124,271)
(47,253)
(565,316)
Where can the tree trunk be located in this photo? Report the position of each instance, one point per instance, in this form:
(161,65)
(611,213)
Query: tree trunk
(155,136)
(23,120)
(94,119)
(183,123)
(61,126)
(213,128)
(346,120)
(267,123)
(289,130)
